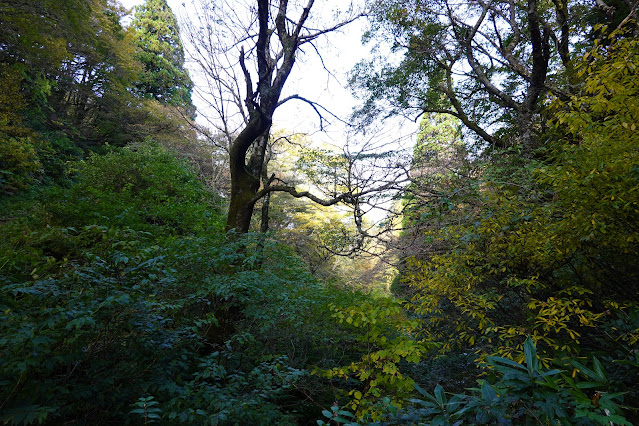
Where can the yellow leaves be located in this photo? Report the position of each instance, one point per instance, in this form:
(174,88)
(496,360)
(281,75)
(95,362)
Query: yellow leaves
(611,304)
(555,316)
(586,210)
(379,374)
(368,315)
(389,337)
(583,320)
(390,368)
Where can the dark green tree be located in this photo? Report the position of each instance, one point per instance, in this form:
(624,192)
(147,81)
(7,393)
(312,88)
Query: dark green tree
(161,54)
(65,71)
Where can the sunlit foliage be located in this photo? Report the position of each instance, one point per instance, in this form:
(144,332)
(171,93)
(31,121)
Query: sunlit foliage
(550,251)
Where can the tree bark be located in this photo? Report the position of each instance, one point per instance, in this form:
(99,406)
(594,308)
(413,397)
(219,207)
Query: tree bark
(244,185)
(261,102)
(537,85)
(274,54)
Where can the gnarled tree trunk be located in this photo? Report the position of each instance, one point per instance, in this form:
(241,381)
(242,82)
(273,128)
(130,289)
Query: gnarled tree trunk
(274,67)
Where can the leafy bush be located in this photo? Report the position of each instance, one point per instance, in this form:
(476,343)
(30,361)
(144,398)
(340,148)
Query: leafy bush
(515,393)
(551,248)
(387,339)
(19,165)
(145,188)
(185,325)
(117,314)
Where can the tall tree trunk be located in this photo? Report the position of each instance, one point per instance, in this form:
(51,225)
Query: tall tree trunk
(274,65)
(244,184)
(266,201)
(540,57)
(241,206)
(261,102)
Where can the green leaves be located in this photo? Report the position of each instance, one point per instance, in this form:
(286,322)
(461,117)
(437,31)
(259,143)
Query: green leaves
(161,54)
(530,353)
(100,305)
(597,374)
(147,409)
(337,416)
(388,337)
(146,189)
(520,394)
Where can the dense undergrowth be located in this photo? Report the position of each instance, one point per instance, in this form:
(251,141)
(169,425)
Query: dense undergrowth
(123,301)
(535,261)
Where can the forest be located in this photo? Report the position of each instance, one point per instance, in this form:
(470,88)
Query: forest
(171,253)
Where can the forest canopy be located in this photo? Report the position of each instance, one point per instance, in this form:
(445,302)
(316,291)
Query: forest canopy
(173,264)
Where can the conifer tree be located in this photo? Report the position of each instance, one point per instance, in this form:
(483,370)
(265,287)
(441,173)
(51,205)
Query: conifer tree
(162,56)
